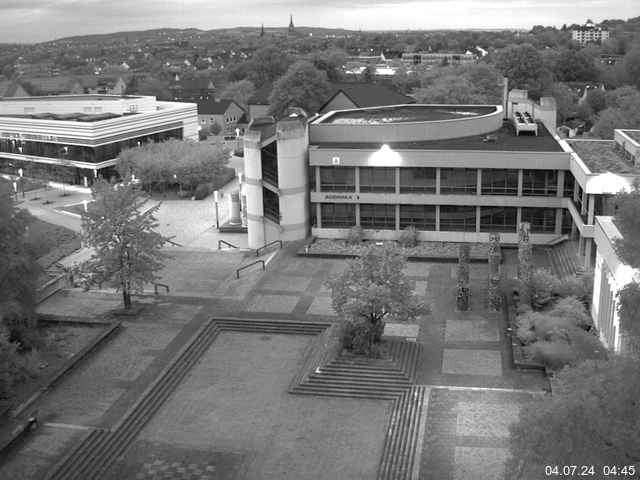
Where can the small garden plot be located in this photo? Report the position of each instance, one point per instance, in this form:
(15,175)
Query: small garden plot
(49,243)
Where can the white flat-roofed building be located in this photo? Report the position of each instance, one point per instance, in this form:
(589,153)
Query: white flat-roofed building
(75,138)
(589,33)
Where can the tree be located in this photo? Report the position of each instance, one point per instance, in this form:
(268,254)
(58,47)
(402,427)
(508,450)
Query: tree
(464,84)
(302,86)
(591,419)
(596,100)
(576,65)
(127,246)
(566,101)
(330,62)
(240,92)
(152,86)
(267,64)
(19,272)
(631,64)
(627,115)
(369,74)
(175,162)
(373,288)
(524,67)
(627,205)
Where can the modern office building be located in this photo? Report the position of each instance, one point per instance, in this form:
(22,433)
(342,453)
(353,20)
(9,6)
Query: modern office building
(589,33)
(454,172)
(438,58)
(76,138)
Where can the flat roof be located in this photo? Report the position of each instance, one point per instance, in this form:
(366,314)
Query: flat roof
(503,139)
(633,134)
(601,156)
(405,114)
(66,98)
(71,117)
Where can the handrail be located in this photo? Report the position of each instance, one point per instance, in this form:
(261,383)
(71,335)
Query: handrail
(226,243)
(161,285)
(267,245)
(249,265)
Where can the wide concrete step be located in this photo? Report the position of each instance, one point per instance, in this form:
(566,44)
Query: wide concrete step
(317,379)
(345,393)
(396,377)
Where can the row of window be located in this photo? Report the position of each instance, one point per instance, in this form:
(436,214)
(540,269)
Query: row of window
(453,218)
(462,181)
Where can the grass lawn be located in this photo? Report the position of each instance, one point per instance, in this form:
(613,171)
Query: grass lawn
(50,243)
(232,415)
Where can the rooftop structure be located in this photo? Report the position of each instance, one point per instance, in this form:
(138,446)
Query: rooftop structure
(404,114)
(602,156)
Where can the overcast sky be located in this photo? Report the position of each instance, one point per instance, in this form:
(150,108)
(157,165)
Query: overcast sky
(39,20)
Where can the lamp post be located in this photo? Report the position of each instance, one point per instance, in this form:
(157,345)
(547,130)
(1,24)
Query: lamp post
(20,172)
(216,197)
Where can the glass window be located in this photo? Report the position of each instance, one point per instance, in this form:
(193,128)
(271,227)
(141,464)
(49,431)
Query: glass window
(542,220)
(458,181)
(498,219)
(377,179)
(338,215)
(422,217)
(418,180)
(269,159)
(311,175)
(569,184)
(567,221)
(499,181)
(457,218)
(539,182)
(271,205)
(379,216)
(337,179)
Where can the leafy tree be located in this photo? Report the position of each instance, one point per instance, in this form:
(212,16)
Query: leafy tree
(330,62)
(373,288)
(629,311)
(302,86)
(566,101)
(628,222)
(524,67)
(174,162)
(631,64)
(591,419)
(465,84)
(576,65)
(268,64)
(19,272)
(625,116)
(152,86)
(123,235)
(240,92)
(596,100)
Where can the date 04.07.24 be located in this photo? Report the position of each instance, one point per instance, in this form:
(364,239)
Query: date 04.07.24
(612,471)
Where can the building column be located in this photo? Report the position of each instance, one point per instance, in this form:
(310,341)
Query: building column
(397,178)
(583,206)
(317,174)
(357,182)
(477,219)
(479,182)
(357,214)
(520,181)
(591,199)
(319,215)
(558,227)
(518,216)
(438,215)
(587,253)
(397,217)
(437,186)
(560,183)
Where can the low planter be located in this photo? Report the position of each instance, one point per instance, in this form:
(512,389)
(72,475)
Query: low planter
(521,359)
(424,251)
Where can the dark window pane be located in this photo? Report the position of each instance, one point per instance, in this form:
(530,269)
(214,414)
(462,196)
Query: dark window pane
(337,179)
(269,158)
(378,216)
(540,182)
(378,179)
(418,180)
(569,184)
(542,220)
(498,219)
(499,181)
(422,217)
(567,221)
(338,215)
(271,205)
(457,218)
(458,181)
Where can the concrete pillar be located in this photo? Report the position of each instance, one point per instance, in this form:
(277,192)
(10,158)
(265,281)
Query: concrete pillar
(319,215)
(479,182)
(437,182)
(397,177)
(235,209)
(358,214)
(518,216)
(587,253)
(581,246)
(558,227)
(520,181)
(591,208)
(438,207)
(317,174)
(357,175)
(293,143)
(560,183)
(477,219)
(397,215)
(253,189)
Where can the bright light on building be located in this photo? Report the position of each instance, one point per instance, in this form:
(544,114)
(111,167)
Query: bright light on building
(385,157)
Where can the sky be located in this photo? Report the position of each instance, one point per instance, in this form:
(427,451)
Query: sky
(29,21)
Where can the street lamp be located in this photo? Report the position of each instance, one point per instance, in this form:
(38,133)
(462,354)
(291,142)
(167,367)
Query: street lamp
(216,198)
(20,172)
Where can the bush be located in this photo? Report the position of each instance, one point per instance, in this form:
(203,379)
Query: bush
(356,337)
(203,190)
(409,237)
(553,355)
(573,346)
(573,310)
(355,235)
(525,332)
(574,286)
(15,367)
(543,285)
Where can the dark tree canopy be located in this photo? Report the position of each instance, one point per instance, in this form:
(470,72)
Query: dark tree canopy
(628,222)
(524,67)
(302,86)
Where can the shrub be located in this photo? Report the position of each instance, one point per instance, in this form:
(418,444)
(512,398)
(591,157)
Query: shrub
(524,329)
(553,355)
(409,237)
(356,337)
(542,286)
(573,346)
(15,367)
(203,190)
(547,326)
(573,310)
(355,235)
(574,286)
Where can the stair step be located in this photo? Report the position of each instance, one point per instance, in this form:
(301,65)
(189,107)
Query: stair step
(316,379)
(360,376)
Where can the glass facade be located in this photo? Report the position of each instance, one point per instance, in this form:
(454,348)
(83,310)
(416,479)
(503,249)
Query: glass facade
(498,219)
(499,181)
(418,180)
(337,179)
(271,205)
(457,218)
(269,163)
(542,220)
(378,179)
(569,184)
(462,181)
(338,215)
(82,153)
(378,216)
(422,217)
(540,182)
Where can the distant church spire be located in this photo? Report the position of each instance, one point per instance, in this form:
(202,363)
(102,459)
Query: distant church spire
(262,30)
(291,23)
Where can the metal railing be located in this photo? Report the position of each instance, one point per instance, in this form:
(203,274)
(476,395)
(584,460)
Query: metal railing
(249,265)
(267,245)
(226,243)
